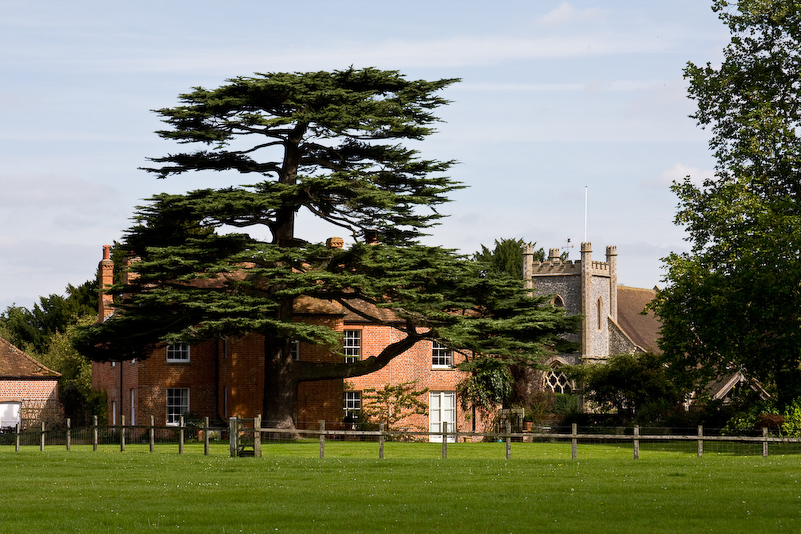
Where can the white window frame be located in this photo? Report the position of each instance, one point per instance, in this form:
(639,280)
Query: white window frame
(557,381)
(441,356)
(441,408)
(294,349)
(178,353)
(352,403)
(176,410)
(352,345)
(133,406)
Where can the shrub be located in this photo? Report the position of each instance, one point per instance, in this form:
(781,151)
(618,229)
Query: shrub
(792,420)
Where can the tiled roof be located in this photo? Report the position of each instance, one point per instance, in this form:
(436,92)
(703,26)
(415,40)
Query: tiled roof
(16,364)
(642,329)
(313,306)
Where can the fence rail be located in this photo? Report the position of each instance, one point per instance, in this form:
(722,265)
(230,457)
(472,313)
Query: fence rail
(245,436)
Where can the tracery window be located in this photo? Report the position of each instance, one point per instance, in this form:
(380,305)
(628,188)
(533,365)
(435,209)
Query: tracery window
(557,381)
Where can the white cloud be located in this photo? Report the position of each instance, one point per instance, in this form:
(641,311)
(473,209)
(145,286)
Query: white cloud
(458,51)
(565,14)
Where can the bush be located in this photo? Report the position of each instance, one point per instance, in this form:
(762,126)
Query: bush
(792,420)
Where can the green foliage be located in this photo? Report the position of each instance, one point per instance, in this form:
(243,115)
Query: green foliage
(566,403)
(489,384)
(506,259)
(492,380)
(792,420)
(79,400)
(630,385)
(393,403)
(733,300)
(31,330)
(227,261)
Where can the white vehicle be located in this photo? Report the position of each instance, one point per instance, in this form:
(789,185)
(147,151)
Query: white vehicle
(9,415)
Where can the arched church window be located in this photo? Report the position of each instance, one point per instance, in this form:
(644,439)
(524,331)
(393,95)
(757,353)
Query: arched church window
(557,302)
(599,312)
(557,381)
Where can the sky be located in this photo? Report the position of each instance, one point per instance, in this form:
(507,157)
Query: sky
(561,106)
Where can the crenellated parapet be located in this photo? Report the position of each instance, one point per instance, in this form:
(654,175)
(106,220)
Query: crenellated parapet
(568,267)
(551,267)
(585,287)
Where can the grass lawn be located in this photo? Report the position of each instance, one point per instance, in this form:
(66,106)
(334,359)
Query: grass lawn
(475,489)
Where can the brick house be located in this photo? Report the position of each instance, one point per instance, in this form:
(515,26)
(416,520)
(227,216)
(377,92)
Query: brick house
(217,378)
(221,378)
(224,377)
(28,389)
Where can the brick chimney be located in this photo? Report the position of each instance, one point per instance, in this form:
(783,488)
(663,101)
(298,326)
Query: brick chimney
(335,242)
(106,274)
(129,275)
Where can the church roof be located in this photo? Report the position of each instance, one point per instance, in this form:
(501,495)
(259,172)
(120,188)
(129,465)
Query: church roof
(16,364)
(643,329)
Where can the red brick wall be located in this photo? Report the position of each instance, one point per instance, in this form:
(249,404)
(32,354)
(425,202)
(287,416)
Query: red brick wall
(412,366)
(226,378)
(38,398)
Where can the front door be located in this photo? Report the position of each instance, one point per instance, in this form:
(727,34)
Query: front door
(442,409)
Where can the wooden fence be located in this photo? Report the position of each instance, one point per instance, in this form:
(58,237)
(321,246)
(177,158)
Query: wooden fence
(245,436)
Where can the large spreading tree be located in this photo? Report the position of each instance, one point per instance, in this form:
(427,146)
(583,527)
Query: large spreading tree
(734,301)
(228,261)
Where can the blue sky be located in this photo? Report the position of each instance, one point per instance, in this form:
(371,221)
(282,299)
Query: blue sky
(555,97)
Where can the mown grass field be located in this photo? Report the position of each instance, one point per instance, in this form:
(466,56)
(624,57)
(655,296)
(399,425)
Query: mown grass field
(290,489)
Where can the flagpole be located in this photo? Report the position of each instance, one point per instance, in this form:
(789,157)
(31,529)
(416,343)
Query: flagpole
(585,213)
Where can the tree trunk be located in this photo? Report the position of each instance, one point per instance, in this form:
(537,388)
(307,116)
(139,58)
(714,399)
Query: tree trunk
(280,376)
(280,384)
(280,404)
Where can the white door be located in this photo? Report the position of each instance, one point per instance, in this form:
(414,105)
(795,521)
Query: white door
(442,409)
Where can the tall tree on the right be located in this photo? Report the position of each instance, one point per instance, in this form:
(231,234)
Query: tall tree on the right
(734,301)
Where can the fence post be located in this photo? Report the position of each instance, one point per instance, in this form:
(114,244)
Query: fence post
(152,433)
(700,440)
(181,435)
(122,433)
(68,434)
(322,438)
(94,433)
(765,443)
(232,436)
(444,440)
(42,439)
(508,439)
(636,442)
(380,441)
(574,441)
(16,446)
(206,436)
(257,437)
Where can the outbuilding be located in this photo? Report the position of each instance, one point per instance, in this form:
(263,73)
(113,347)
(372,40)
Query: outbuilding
(28,389)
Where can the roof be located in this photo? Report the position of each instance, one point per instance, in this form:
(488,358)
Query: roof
(642,329)
(16,364)
(306,305)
